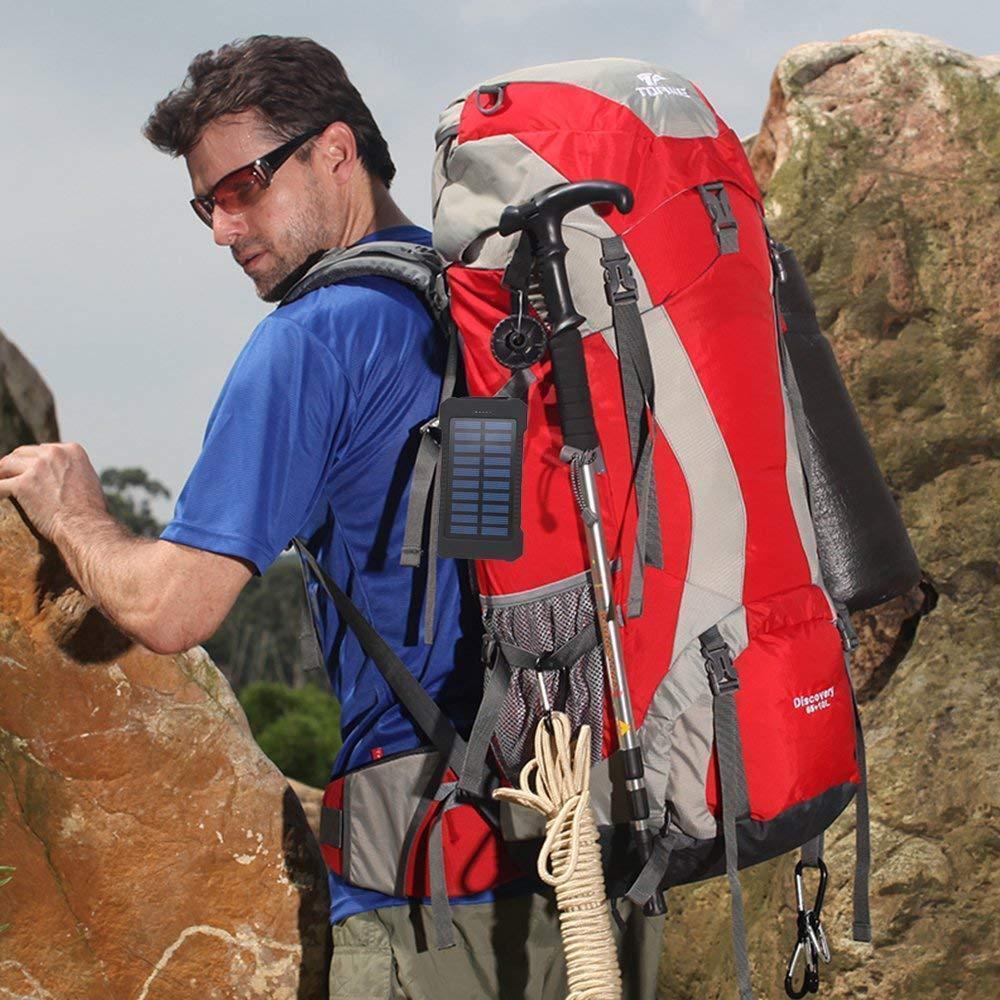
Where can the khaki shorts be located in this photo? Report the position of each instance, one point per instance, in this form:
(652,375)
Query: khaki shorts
(506,950)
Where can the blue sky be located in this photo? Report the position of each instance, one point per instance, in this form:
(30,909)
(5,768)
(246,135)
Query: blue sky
(113,289)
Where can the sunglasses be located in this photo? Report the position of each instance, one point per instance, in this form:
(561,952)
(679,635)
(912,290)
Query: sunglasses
(240,188)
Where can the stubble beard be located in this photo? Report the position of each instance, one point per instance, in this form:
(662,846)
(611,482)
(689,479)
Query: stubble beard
(305,233)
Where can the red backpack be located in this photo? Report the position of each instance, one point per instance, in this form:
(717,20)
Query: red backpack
(712,490)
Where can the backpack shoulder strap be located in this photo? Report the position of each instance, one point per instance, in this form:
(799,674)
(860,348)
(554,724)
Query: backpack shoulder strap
(417,266)
(424,711)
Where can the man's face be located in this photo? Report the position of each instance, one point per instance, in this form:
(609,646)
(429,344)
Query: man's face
(298,214)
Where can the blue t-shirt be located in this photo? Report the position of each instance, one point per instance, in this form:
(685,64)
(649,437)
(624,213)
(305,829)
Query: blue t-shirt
(315,434)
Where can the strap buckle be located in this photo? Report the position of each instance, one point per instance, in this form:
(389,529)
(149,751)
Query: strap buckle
(715,198)
(432,428)
(811,944)
(722,674)
(619,280)
(438,294)
(776,262)
(488,649)
(846,629)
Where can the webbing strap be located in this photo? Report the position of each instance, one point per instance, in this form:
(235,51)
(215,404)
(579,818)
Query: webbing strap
(862,929)
(429,718)
(504,656)
(730,772)
(310,647)
(424,490)
(725,682)
(561,658)
(444,925)
(802,439)
(421,482)
(473,777)
(517,276)
(648,880)
(517,386)
(331,826)
(812,851)
(638,393)
(430,592)
(716,201)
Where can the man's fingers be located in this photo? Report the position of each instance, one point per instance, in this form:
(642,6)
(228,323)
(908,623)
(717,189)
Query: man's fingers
(14,464)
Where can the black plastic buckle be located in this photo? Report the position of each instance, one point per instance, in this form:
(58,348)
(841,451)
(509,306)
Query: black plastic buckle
(432,428)
(488,650)
(716,201)
(438,294)
(846,628)
(722,675)
(777,263)
(619,280)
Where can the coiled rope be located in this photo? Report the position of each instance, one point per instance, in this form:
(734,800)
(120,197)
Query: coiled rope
(557,784)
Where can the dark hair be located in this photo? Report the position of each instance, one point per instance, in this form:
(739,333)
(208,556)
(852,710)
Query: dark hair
(294,84)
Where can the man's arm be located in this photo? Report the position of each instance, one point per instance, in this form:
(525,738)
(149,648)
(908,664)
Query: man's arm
(167,596)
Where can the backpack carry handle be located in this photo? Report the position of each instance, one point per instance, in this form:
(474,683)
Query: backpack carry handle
(541,218)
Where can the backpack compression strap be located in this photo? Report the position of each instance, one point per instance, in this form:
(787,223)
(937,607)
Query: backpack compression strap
(638,393)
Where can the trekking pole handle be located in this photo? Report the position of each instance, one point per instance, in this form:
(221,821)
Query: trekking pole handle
(554,203)
(541,218)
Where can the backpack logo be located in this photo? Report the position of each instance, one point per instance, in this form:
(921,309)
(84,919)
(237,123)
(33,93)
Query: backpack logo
(651,86)
(814,702)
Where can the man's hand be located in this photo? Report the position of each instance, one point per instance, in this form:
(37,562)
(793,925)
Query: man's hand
(51,483)
(168,596)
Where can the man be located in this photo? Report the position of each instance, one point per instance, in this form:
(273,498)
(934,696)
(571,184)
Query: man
(313,435)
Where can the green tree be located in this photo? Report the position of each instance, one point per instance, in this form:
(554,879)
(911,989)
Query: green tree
(298,729)
(129,493)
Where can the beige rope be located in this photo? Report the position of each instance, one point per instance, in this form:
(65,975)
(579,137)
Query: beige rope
(557,784)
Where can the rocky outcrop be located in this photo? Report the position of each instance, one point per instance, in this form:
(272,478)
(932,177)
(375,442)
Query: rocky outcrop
(27,410)
(158,853)
(879,156)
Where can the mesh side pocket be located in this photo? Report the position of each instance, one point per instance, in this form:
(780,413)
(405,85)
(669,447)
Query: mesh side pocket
(540,626)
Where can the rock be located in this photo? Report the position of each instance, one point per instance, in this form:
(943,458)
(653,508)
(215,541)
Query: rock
(27,410)
(312,802)
(879,158)
(158,853)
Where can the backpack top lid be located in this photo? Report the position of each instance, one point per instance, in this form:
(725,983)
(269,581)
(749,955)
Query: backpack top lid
(668,103)
(518,133)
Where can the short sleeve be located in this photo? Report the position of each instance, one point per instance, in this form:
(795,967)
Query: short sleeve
(283,414)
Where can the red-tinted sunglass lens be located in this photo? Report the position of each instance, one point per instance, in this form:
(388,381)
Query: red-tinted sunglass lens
(240,189)
(203,209)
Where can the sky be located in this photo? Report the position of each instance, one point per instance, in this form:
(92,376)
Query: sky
(117,294)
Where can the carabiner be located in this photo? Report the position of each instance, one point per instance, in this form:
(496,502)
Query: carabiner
(810,977)
(811,943)
(817,936)
(824,876)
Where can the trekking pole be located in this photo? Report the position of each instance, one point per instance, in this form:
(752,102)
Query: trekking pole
(542,218)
